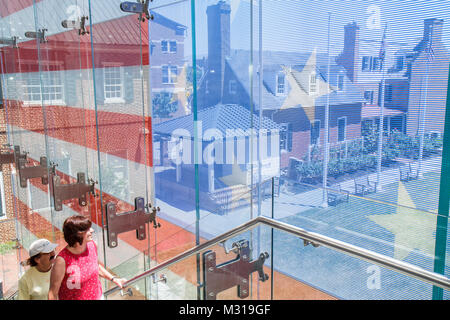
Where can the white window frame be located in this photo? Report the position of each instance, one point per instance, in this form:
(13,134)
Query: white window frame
(40,86)
(2,191)
(345,128)
(119,99)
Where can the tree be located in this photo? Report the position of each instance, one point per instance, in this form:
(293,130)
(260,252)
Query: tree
(164,104)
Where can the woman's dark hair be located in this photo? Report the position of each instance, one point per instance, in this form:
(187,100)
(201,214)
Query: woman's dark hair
(73,229)
(31,262)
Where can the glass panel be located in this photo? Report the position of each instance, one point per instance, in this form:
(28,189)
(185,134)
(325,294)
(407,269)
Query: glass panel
(171,79)
(321,273)
(120,121)
(22,117)
(384,68)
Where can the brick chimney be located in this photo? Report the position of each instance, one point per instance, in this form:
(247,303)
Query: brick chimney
(218,47)
(349,55)
(433,28)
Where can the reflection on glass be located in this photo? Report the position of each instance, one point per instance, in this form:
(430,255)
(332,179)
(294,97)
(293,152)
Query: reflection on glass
(328,117)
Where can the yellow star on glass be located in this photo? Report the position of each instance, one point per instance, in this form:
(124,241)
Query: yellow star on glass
(181,91)
(306,87)
(412,229)
(237,177)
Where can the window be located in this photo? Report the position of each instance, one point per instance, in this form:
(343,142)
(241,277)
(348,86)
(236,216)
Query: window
(286,136)
(164,46)
(169,74)
(340,82)
(315,132)
(312,83)
(113,84)
(168,46)
(377,64)
(388,93)
(366,63)
(280,84)
(371,63)
(172,46)
(232,87)
(49,91)
(368,95)
(399,63)
(2,202)
(342,125)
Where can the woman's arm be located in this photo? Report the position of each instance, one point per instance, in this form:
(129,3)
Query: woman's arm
(56,277)
(108,276)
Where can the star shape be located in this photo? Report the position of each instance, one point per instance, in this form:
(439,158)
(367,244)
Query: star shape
(412,229)
(238,177)
(301,92)
(181,92)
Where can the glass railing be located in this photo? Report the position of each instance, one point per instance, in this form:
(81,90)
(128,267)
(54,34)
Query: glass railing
(236,260)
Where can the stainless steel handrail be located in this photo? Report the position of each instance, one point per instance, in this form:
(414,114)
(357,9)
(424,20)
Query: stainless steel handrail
(370,256)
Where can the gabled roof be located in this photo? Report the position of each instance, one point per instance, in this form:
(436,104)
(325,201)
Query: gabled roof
(273,62)
(222,117)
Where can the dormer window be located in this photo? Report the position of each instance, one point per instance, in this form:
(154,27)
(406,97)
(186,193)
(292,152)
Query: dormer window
(281,87)
(232,87)
(312,83)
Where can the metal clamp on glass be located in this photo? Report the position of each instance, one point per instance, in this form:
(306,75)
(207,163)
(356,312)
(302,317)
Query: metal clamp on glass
(12,157)
(39,171)
(40,34)
(8,157)
(10,41)
(232,273)
(137,7)
(68,191)
(79,25)
(117,223)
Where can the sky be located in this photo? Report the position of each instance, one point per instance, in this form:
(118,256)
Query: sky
(301,26)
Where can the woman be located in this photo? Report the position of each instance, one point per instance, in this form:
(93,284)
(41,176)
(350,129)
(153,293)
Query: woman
(35,282)
(75,274)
